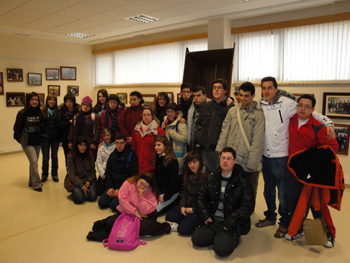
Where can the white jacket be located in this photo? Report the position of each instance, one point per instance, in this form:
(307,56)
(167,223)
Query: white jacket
(177,136)
(102,157)
(277,117)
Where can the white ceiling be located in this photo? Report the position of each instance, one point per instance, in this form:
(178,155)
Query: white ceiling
(105,19)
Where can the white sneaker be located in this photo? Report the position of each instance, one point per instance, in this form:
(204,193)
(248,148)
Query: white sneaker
(330,242)
(173,226)
(290,238)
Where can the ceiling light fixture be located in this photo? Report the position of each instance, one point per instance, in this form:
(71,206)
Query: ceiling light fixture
(142,19)
(79,35)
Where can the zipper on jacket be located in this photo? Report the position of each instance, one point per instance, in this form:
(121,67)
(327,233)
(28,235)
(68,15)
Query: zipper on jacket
(279,111)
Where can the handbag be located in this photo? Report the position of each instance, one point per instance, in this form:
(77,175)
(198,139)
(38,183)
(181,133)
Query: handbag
(124,234)
(315,229)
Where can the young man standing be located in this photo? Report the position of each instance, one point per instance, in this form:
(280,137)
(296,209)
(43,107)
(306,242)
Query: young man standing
(306,132)
(252,125)
(224,215)
(199,98)
(277,110)
(210,121)
(186,99)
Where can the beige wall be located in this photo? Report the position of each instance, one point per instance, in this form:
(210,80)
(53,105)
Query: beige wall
(34,55)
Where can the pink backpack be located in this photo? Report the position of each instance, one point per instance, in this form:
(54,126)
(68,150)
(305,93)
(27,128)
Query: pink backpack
(124,234)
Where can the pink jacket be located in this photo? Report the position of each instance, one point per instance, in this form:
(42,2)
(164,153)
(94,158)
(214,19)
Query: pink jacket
(129,200)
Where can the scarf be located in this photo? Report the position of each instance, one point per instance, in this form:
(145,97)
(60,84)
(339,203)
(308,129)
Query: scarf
(167,122)
(114,114)
(81,122)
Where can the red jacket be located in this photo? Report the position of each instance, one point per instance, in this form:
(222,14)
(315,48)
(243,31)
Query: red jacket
(305,137)
(142,144)
(128,119)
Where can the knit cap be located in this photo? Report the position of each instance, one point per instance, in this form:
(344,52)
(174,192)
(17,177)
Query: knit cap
(87,100)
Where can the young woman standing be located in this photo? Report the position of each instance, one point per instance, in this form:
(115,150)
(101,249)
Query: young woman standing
(27,132)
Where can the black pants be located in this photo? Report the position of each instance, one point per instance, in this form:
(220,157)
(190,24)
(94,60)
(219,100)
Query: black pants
(224,242)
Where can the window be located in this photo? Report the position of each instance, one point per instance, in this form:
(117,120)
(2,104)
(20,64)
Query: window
(301,54)
(151,64)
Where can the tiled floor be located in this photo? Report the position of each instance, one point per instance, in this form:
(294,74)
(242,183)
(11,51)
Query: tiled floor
(48,227)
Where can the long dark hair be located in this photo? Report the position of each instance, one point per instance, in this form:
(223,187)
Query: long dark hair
(98,105)
(46,106)
(76,153)
(29,96)
(166,97)
(138,95)
(200,175)
(169,151)
(149,178)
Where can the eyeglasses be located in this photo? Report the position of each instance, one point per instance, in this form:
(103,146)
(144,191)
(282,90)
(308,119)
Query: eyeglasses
(227,158)
(300,105)
(218,87)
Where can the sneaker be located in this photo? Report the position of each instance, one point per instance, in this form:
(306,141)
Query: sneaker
(173,226)
(44,179)
(38,189)
(290,238)
(330,242)
(264,222)
(281,232)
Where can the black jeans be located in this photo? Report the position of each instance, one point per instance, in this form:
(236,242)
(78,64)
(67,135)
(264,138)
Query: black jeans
(224,241)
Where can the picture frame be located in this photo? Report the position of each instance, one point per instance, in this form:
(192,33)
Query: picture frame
(41,98)
(1,83)
(68,73)
(34,79)
(52,73)
(170,95)
(342,132)
(54,89)
(150,100)
(72,89)
(298,95)
(15,75)
(336,105)
(178,98)
(123,97)
(15,99)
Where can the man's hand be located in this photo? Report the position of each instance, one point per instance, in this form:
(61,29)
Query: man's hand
(209,220)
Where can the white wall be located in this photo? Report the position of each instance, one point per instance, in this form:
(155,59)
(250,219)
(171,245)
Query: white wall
(34,55)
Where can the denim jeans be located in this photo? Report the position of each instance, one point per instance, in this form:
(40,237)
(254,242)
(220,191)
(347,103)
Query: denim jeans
(79,197)
(46,145)
(32,153)
(187,224)
(274,173)
(106,201)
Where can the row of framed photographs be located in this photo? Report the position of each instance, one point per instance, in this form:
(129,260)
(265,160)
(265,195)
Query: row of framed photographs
(35,79)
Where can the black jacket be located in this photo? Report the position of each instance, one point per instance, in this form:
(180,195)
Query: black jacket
(209,124)
(239,200)
(118,168)
(65,116)
(50,126)
(167,178)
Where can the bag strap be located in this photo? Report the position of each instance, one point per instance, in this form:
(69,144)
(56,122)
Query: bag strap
(241,128)
(105,242)
(128,160)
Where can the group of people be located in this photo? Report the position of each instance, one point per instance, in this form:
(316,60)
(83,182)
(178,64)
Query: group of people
(198,160)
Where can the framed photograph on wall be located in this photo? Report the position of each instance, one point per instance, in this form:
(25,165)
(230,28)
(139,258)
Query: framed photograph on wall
(53,89)
(336,105)
(52,74)
(1,84)
(73,90)
(342,132)
(14,99)
(298,95)
(123,97)
(68,73)
(34,79)
(178,98)
(14,75)
(150,100)
(41,98)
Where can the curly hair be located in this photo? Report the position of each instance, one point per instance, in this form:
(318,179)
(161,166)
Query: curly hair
(169,151)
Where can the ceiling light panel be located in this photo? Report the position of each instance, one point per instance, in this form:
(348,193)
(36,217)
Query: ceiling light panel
(143,19)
